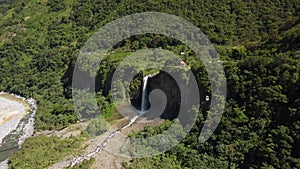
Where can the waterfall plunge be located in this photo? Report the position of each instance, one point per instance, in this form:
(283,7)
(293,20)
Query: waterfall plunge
(144,95)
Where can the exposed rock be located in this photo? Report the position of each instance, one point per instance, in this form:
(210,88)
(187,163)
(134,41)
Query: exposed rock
(164,82)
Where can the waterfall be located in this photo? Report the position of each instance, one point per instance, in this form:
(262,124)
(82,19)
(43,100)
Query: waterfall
(79,159)
(144,95)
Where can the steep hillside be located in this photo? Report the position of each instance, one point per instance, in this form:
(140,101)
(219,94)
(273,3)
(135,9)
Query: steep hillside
(258,41)
(39,39)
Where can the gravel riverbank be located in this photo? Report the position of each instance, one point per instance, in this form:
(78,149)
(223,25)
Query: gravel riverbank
(13,110)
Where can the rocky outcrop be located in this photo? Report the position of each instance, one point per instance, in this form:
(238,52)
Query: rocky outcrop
(168,86)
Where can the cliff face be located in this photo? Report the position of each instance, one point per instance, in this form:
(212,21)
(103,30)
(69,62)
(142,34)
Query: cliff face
(163,97)
(166,99)
(171,102)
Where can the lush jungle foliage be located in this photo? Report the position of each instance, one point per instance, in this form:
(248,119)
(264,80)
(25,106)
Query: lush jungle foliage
(259,42)
(43,151)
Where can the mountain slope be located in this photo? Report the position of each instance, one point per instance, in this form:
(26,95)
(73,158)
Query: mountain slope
(258,40)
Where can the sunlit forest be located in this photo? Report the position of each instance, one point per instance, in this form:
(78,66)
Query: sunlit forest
(258,42)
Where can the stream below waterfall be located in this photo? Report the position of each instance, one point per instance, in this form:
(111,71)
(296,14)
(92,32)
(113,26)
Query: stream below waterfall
(79,159)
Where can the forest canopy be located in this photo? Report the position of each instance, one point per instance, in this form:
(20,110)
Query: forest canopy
(258,42)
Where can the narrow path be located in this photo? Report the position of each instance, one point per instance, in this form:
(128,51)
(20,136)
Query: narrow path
(79,159)
(104,158)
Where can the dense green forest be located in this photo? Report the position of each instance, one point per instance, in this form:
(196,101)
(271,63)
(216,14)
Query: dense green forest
(53,148)
(259,42)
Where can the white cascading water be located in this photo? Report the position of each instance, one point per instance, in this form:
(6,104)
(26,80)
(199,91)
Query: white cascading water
(112,135)
(144,94)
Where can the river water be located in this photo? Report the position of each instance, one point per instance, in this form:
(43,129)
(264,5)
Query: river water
(16,123)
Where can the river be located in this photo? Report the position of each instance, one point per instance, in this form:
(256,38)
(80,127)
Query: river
(16,123)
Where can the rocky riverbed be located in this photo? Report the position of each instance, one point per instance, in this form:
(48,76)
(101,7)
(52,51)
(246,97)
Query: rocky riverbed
(16,123)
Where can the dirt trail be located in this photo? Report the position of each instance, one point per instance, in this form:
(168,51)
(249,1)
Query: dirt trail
(96,148)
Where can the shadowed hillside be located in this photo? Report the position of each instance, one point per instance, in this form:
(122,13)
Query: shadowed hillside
(257,40)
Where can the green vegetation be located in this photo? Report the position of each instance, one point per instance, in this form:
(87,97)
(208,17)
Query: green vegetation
(96,127)
(43,151)
(86,164)
(257,40)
